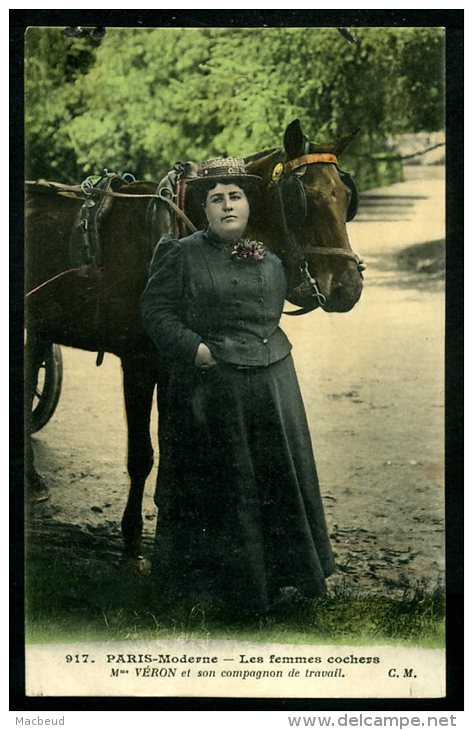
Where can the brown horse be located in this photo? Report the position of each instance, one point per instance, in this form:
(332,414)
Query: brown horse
(300,213)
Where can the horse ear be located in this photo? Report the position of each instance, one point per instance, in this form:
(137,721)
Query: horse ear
(342,142)
(294,140)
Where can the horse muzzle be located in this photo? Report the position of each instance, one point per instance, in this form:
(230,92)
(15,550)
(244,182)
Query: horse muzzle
(342,298)
(342,289)
(333,289)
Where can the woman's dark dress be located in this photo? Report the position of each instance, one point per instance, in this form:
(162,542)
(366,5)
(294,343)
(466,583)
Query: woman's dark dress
(239,508)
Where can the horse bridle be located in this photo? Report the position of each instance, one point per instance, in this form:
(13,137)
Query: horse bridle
(308,281)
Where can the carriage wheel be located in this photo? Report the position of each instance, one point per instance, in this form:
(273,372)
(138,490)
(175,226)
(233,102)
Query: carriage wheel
(48,389)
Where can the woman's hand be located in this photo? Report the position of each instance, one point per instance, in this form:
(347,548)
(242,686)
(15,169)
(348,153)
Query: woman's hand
(203,359)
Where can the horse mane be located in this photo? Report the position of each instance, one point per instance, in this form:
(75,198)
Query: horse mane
(258,155)
(323,148)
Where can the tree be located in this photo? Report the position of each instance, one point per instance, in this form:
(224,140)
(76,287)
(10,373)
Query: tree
(145,98)
(53,63)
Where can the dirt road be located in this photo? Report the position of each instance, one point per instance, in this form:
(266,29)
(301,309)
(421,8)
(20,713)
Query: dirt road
(372,381)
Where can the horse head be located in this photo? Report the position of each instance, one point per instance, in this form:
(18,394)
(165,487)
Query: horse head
(301,213)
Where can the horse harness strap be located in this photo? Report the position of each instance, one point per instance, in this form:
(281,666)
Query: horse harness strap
(307,280)
(85,249)
(310,159)
(343,252)
(165,199)
(76,191)
(166,193)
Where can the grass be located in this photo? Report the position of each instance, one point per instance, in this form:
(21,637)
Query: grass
(63,606)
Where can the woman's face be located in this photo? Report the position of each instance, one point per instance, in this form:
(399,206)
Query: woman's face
(227,211)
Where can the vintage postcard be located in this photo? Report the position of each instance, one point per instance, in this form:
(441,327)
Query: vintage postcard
(343,129)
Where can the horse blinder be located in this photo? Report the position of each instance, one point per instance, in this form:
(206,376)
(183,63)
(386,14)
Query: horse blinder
(347,179)
(295,200)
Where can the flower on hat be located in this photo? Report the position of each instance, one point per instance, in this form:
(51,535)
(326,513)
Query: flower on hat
(248,249)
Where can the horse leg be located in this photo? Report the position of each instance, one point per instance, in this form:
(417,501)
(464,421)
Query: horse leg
(35,353)
(139,381)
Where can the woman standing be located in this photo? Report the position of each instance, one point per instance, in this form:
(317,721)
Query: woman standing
(239,510)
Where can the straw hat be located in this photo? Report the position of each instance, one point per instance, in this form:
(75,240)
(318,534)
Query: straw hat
(222,168)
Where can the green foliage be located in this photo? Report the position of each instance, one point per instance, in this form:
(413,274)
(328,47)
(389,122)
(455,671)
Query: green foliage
(144,98)
(53,64)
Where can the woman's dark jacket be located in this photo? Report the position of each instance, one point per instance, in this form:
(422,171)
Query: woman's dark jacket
(233,305)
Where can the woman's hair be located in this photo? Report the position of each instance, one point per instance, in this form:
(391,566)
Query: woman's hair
(196,196)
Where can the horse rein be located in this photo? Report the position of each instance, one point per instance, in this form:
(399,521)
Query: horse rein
(78,192)
(308,281)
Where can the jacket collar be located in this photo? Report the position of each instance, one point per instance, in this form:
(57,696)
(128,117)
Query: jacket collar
(215,241)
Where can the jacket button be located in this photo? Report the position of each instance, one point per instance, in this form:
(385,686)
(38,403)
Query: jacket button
(240,323)
(265,340)
(261,300)
(234,281)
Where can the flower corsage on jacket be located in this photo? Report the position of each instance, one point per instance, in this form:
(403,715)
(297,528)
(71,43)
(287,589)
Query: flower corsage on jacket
(248,249)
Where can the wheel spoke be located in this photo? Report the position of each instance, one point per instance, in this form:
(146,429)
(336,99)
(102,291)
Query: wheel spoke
(46,389)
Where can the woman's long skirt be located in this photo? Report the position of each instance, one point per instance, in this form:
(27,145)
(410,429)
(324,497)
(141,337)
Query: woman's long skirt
(239,508)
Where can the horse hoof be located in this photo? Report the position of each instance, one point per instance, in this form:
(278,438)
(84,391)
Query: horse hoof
(137,565)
